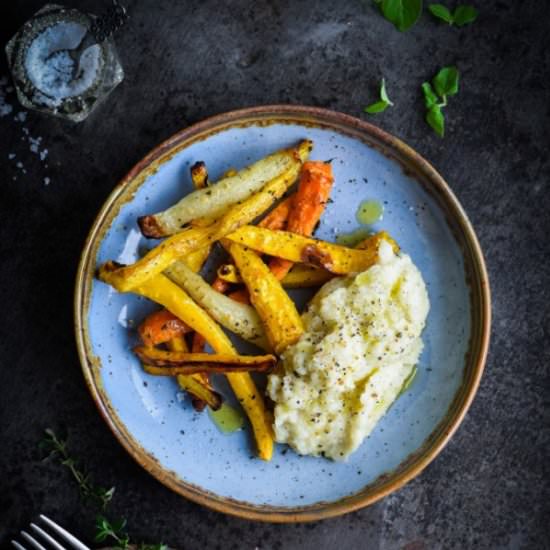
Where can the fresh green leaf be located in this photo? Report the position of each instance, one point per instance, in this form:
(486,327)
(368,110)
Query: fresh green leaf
(445,82)
(430,97)
(435,118)
(441,12)
(382,104)
(377,107)
(384,93)
(463,15)
(402,13)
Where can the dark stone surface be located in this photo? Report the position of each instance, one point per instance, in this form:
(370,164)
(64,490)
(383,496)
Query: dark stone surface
(187,60)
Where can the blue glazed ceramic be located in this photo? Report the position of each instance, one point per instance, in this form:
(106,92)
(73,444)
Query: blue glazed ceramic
(184,449)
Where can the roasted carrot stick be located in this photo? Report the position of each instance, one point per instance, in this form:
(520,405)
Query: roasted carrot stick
(240,295)
(307,207)
(160,327)
(278,217)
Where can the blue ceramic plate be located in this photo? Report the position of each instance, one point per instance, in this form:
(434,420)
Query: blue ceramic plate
(184,449)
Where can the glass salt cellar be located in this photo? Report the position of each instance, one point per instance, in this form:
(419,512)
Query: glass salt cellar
(43,72)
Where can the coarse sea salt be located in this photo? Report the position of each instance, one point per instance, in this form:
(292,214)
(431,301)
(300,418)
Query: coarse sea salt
(52,74)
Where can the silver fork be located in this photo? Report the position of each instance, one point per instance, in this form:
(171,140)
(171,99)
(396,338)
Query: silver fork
(45,538)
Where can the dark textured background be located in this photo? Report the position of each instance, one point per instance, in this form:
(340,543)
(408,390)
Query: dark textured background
(187,60)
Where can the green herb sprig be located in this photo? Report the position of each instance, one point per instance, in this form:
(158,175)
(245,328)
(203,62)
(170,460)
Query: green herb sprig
(88,490)
(462,15)
(382,104)
(105,529)
(443,85)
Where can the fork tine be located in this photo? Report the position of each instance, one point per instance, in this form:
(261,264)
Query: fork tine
(64,534)
(15,544)
(34,543)
(47,537)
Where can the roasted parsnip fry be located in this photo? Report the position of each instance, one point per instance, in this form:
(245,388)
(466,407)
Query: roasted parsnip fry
(282,321)
(162,290)
(205,362)
(241,319)
(229,273)
(296,248)
(125,278)
(214,200)
(202,395)
(197,385)
(195,260)
(199,175)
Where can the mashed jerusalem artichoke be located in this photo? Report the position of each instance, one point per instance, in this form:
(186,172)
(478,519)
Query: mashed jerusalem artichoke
(362,339)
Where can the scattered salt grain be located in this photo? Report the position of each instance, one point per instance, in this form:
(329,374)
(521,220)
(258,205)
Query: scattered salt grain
(47,181)
(11,156)
(35,144)
(19,165)
(21,116)
(43,154)
(5,107)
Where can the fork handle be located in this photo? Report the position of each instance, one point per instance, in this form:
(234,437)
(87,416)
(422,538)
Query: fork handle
(105,25)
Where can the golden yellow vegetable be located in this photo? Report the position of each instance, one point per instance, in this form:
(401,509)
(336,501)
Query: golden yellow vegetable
(229,273)
(196,387)
(195,260)
(199,175)
(282,321)
(163,291)
(125,278)
(290,246)
(305,276)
